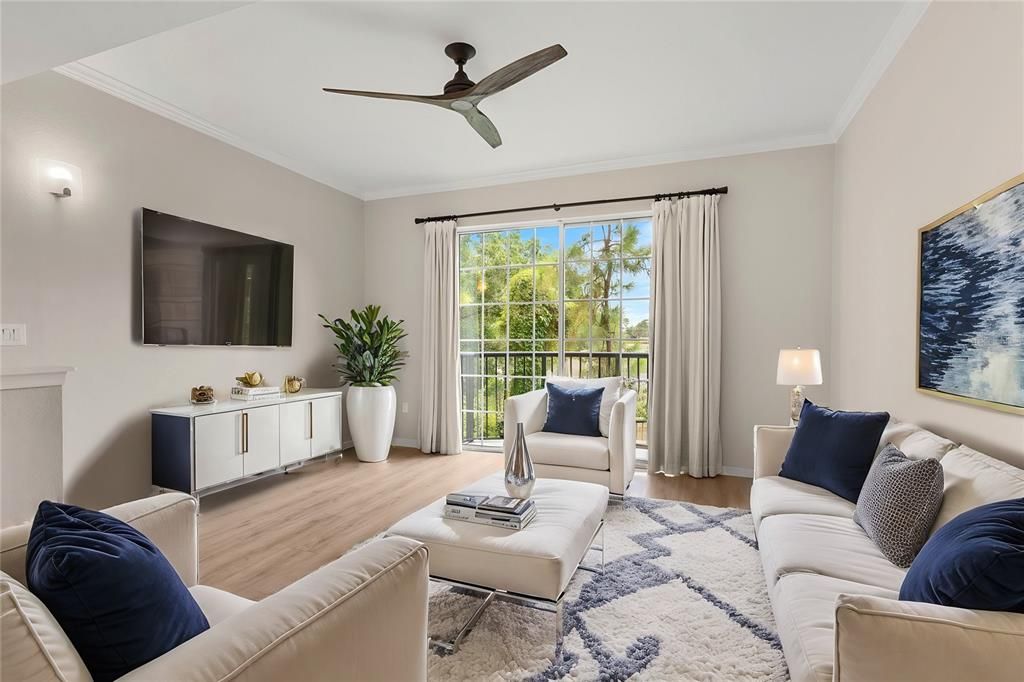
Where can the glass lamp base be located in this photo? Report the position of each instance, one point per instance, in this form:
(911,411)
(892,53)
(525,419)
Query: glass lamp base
(796,403)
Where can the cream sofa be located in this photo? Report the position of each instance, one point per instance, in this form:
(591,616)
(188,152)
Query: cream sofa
(361,617)
(835,596)
(609,461)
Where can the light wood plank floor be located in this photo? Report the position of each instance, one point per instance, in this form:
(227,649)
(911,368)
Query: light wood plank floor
(260,537)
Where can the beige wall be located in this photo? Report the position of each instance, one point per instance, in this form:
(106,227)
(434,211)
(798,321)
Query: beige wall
(69,267)
(776,240)
(944,125)
(31,456)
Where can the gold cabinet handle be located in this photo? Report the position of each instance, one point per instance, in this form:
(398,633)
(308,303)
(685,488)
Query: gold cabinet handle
(311,420)
(245,432)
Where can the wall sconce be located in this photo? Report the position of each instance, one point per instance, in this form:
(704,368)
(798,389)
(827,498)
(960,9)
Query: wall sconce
(58,178)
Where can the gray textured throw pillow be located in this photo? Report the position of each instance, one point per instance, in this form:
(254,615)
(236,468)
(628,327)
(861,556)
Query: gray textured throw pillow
(899,502)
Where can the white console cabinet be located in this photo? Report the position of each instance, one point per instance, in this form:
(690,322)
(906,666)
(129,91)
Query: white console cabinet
(203,448)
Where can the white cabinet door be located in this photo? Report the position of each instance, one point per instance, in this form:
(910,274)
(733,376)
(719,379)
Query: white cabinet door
(326,425)
(218,449)
(296,419)
(261,446)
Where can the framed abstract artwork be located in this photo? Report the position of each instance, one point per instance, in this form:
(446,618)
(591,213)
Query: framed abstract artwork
(971,302)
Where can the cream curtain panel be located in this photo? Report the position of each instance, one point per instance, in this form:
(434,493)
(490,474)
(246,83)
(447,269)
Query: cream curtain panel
(686,339)
(440,416)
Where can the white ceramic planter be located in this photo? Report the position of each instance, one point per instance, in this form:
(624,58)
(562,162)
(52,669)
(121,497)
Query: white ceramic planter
(371,420)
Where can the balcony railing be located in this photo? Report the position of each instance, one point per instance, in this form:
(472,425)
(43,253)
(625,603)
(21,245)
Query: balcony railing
(490,377)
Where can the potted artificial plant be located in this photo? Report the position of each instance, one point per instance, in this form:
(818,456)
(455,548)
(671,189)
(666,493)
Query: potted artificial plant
(369,358)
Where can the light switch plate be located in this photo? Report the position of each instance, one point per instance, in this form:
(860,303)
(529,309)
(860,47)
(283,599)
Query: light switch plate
(13,334)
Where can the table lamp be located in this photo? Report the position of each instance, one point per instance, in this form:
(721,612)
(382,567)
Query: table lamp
(798,367)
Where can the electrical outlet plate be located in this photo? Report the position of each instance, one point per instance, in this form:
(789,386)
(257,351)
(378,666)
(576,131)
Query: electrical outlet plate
(13,335)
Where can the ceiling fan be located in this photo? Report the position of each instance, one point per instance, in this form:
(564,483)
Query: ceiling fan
(463,95)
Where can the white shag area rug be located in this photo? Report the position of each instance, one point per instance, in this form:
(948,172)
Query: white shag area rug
(683,597)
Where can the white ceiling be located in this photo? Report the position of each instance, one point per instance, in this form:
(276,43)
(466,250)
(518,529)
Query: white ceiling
(38,35)
(643,83)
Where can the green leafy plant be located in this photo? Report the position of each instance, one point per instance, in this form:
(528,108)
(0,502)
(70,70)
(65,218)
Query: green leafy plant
(368,347)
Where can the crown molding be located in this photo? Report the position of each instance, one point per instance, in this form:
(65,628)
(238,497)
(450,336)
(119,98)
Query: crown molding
(902,26)
(694,154)
(112,86)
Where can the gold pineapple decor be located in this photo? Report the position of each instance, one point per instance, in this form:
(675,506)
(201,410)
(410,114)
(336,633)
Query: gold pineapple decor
(250,379)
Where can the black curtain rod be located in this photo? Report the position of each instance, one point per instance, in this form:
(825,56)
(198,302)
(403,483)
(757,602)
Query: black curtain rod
(558,207)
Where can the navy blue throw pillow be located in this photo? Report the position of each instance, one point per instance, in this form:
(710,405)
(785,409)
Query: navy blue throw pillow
(574,410)
(834,450)
(976,561)
(118,599)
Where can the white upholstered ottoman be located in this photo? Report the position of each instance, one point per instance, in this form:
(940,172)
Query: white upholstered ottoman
(532,565)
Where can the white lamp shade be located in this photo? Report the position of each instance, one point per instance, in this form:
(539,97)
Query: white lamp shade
(799,367)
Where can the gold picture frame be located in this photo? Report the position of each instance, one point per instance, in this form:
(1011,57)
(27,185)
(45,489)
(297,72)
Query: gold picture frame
(929,387)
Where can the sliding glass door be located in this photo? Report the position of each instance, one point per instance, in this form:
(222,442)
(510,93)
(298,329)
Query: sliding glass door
(564,298)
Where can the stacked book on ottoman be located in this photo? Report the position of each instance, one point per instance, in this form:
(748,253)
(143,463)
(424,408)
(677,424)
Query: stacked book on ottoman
(491,510)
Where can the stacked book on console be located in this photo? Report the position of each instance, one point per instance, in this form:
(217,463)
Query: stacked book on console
(255,392)
(496,510)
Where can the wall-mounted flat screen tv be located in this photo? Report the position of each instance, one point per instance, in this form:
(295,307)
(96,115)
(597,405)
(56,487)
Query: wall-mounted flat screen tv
(204,285)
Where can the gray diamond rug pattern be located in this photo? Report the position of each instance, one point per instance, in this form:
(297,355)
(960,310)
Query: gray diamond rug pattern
(683,597)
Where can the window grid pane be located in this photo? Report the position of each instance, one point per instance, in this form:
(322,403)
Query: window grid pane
(569,299)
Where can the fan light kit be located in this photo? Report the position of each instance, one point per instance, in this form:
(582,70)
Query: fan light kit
(462,95)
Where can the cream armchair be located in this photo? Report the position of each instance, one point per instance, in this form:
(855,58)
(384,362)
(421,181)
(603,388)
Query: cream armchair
(361,617)
(593,459)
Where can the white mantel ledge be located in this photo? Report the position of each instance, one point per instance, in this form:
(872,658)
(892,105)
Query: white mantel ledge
(32,377)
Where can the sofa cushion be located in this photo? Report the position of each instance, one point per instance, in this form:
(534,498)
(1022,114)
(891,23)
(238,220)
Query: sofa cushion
(804,607)
(612,392)
(833,449)
(898,503)
(34,645)
(583,452)
(976,561)
(826,545)
(117,598)
(974,479)
(914,441)
(773,495)
(218,605)
(573,410)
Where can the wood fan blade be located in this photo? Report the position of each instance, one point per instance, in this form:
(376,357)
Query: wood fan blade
(482,125)
(508,76)
(437,100)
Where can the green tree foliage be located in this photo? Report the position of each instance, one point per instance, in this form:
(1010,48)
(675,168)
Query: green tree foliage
(601,262)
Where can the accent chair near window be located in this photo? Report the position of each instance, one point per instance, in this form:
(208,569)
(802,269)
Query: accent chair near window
(608,460)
